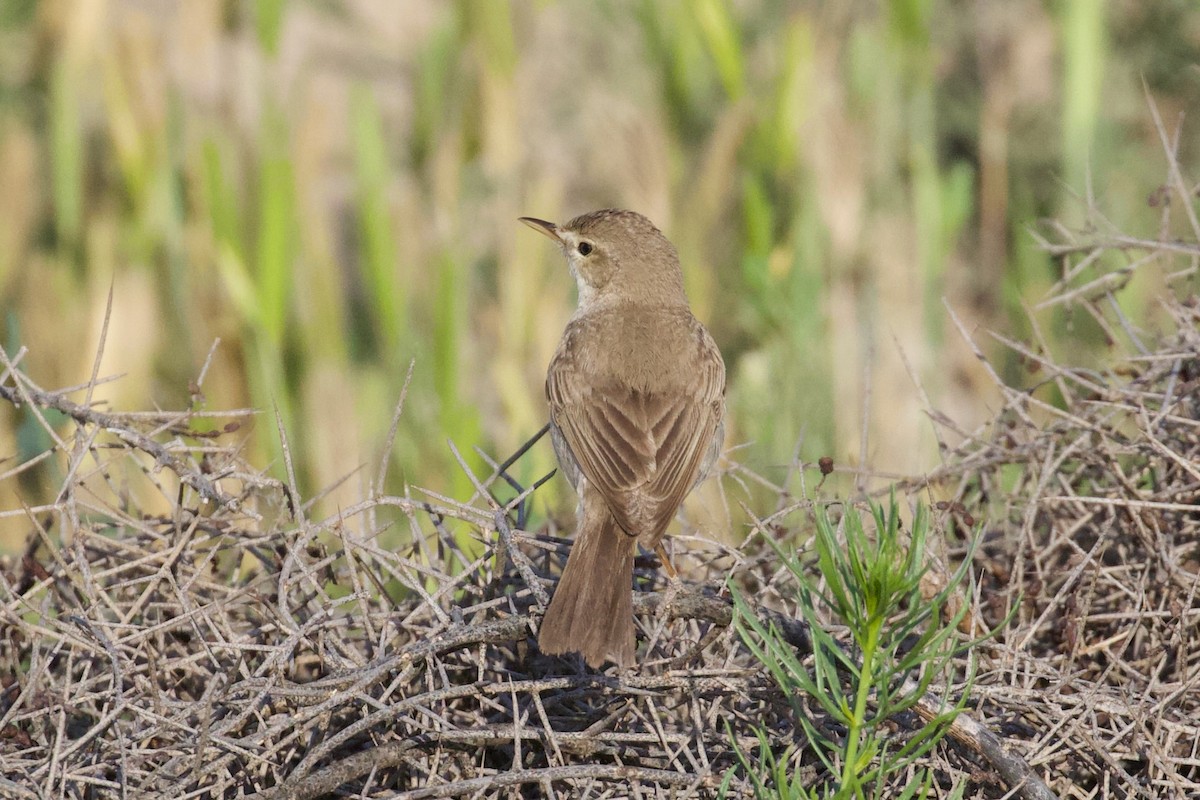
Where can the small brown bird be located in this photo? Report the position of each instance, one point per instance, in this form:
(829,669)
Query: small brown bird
(637,408)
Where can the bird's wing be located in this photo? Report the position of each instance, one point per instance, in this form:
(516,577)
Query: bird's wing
(642,450)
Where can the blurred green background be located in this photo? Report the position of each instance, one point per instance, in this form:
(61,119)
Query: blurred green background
(331,187)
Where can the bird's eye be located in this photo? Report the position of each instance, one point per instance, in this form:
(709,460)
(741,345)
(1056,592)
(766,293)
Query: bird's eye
(585,248)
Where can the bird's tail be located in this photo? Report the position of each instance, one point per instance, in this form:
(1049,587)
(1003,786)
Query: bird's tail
(592,608)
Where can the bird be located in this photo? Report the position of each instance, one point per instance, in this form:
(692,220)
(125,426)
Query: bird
(636,392)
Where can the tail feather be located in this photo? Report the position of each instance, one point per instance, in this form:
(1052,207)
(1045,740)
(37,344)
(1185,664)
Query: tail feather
(592,608)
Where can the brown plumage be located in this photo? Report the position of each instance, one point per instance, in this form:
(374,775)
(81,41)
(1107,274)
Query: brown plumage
(637,402)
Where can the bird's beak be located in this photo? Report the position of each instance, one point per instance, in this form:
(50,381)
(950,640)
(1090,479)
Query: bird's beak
(541,226)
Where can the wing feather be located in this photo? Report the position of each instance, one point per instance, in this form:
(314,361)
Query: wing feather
(642,449)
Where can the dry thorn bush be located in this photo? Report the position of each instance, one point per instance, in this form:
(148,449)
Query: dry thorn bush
(232,646)
(180,626)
